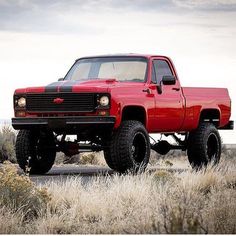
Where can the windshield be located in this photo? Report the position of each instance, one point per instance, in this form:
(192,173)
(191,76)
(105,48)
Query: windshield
(124,69)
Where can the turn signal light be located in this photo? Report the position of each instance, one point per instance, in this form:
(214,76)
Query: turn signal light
(20,114)
(103,113)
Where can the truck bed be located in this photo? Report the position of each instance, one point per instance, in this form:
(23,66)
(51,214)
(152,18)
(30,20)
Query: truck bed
(198,99)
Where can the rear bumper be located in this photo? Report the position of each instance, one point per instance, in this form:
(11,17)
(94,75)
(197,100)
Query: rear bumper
(62,123)
(229,126)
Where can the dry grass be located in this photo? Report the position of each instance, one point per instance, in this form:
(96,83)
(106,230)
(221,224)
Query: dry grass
(159,202)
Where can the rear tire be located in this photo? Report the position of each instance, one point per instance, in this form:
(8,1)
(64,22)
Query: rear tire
(204,146)
(35,150)
(129,148)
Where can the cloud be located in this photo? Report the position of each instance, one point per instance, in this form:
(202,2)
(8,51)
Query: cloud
(175,6)
(207,5)
(43,16)
(81,17)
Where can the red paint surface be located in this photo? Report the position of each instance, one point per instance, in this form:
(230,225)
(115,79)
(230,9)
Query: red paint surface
(171,111)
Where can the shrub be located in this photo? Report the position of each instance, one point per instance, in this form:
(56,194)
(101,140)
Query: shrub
(19,193)
(163,176)
(228,152)
(86,158)
(168,163)
(7,144)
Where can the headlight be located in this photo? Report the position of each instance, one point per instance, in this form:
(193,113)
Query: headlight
(21,102)
(104,101)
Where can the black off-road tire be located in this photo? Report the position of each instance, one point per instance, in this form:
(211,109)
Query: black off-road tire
(129,148)
(107,156)
(36,151)
(204,146)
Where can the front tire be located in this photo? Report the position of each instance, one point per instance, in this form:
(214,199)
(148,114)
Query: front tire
(35,150)
(129,148)
(204,146)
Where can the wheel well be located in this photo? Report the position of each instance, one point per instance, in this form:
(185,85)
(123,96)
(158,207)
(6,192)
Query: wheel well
(134,113)
(210,115)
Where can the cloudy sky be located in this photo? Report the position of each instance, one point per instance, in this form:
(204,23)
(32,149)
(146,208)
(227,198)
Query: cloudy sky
(39,40)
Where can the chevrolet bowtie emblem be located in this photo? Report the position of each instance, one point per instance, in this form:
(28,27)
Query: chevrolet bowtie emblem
(58,100)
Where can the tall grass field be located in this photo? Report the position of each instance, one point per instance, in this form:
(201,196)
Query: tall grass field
(152,202)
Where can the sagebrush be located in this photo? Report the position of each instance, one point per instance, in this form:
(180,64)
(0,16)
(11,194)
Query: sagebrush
(152,202)
(19,193)
(7,144)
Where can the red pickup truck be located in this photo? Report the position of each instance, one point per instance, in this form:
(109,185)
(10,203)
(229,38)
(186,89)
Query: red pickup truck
(112,103)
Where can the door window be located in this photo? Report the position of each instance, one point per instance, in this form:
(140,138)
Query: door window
(161,68)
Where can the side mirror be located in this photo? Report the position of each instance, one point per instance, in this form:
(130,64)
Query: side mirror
(159,88)
(168,80)
(61,79)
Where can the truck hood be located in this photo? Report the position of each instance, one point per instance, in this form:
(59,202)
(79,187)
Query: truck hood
(96,85)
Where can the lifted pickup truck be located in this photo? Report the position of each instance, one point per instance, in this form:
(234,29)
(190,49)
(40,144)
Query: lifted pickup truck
(112,103)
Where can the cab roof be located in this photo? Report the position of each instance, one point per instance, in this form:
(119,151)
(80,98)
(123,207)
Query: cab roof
(148,56)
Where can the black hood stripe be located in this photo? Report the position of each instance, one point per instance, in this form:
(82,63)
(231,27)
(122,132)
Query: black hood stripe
(61,86)
(52,87)
(49,89)
(68,86)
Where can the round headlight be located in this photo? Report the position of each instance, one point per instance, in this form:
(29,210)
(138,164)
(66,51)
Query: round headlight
(21,102)
(104,101)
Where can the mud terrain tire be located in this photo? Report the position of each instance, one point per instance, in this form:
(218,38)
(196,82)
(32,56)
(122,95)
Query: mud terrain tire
(129,148)
(40,148)
(204,146)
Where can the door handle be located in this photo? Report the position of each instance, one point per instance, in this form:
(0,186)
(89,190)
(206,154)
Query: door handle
(147,91)
(176,89)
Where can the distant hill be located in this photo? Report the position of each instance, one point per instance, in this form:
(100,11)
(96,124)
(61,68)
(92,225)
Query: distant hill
(5,121)
(230,146)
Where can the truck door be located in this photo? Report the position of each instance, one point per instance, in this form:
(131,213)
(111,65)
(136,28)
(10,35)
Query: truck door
(169,111)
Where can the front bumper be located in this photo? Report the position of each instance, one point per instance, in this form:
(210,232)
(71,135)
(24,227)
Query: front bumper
(63,123)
